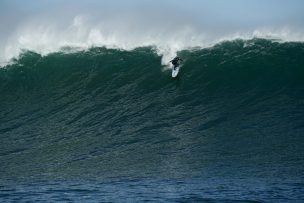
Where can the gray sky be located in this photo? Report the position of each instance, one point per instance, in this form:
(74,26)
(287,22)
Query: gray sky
(236,11)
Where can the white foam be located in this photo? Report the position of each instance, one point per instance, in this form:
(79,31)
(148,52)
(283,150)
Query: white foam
(83,31)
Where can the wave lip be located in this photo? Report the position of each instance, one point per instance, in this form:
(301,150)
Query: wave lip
(85,31)
(241,59)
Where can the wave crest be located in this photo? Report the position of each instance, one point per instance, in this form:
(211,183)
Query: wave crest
(86,31)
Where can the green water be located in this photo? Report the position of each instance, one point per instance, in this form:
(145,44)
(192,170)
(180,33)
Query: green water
(230,127)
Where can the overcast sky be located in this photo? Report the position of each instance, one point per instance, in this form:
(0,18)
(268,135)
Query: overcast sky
(226,11)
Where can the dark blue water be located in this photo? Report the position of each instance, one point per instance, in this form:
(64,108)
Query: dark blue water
(124,190)
(107,125)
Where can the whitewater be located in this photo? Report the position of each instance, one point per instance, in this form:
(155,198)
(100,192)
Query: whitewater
(144,25)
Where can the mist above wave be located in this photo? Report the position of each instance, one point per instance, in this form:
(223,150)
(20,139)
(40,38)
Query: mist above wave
(127,28)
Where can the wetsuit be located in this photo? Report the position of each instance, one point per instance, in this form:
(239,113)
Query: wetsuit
(175,62)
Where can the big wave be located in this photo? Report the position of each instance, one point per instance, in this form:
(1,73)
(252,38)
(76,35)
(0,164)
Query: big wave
(96,112)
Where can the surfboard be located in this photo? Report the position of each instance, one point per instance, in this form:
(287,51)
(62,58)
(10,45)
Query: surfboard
(175,72)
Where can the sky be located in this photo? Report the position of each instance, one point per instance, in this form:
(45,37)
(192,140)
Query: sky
(46,25)
(236,11)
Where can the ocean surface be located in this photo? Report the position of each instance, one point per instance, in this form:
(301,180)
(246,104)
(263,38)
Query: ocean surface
(108,125)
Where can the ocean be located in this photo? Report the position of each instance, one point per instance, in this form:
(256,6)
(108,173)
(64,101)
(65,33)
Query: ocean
(111,125)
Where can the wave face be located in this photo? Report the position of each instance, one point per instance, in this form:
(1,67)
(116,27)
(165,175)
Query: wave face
(233,118)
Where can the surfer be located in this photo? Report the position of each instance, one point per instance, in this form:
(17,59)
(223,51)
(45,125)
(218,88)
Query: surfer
(175,62)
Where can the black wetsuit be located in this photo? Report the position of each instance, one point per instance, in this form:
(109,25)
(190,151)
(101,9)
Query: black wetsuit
(175,62)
